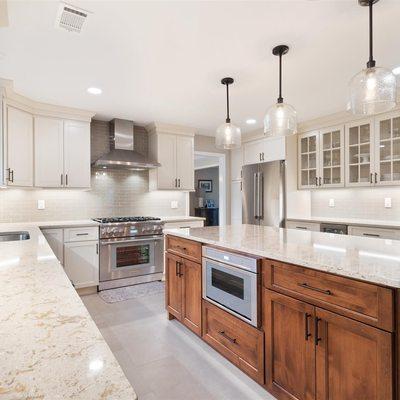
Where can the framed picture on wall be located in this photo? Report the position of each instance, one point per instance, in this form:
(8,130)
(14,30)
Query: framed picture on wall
(205,184)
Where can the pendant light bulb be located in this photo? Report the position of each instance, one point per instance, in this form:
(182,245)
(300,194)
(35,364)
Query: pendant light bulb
(373,90)
(281,118)
(228,135)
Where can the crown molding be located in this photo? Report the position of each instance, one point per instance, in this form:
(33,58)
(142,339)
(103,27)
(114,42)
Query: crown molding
(158,127)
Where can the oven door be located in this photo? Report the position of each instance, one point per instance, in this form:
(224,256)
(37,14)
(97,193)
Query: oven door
(231,288)
(121,258)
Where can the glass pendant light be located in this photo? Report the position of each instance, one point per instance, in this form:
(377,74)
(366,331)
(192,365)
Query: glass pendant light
(228,135)
(373,90)
(281,118)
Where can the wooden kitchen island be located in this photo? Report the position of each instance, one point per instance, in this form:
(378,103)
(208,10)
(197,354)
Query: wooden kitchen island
(328,308)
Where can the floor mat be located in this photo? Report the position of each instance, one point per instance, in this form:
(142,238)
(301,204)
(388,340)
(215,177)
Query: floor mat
(132,292)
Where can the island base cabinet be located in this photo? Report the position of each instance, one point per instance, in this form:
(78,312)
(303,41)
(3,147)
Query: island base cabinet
(289,347)
(353,360)
(311,353)
(183,291)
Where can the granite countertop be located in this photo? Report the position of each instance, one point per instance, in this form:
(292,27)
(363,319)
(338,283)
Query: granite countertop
(377,223)
(367,259)
(65,224)
(50,348)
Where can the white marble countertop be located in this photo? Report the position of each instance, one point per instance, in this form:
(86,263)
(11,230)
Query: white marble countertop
(65,224)
(377,223)
(50,348)
(366,259)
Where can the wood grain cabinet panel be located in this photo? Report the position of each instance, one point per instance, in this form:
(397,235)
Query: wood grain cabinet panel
(236,340)
(289,347)
(185,248)
(353,360)
(183,291)
(363,301)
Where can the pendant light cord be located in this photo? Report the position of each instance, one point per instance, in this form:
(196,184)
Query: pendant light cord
(280,98)
(228,120)
(371,61)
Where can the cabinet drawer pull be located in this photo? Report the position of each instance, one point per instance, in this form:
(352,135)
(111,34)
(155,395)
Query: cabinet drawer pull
(306,286)
(316,335)
(62,179)
(316,181)
(371,234)
(179,182)
(180,269)
(82,234)
(176,268)
(66,179)
(371,178)
(376,177)
(180,247)
(307,334)
(301,227)
(223,334)
(97,248)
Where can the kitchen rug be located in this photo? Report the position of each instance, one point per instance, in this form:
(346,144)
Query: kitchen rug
(132,292)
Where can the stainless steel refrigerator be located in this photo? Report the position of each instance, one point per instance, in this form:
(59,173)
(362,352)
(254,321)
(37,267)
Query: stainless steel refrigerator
(264,194)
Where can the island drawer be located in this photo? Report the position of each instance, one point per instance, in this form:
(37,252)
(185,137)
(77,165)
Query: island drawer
(236,340)
(81,234)
(362,301)
(183,247)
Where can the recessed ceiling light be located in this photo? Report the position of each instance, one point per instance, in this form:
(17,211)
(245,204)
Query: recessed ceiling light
(396,70)
(94,90)
(250,121)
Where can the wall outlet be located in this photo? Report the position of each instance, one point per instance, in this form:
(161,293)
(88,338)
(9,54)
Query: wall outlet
(174,204)
(388,202)
(331,202)
(41,205)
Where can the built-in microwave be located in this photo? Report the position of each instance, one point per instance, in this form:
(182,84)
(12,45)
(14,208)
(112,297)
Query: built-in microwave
(232,282)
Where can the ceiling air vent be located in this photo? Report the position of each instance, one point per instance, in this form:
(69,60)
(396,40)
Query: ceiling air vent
(71,18)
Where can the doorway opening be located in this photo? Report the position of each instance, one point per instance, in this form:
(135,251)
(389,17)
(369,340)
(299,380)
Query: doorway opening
(209,198)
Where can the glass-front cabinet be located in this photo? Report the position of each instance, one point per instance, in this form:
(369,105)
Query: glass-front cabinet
(321,155)
(387,145)
(360,152)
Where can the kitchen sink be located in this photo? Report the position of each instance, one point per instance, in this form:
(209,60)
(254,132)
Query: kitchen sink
(13,236)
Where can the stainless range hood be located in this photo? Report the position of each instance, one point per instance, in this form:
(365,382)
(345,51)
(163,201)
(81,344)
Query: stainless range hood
(122,154)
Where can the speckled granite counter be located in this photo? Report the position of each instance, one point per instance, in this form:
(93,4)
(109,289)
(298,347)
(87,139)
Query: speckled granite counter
(50,348)
(367,259)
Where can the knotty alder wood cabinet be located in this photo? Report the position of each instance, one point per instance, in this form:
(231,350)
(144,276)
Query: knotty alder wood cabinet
(323,336)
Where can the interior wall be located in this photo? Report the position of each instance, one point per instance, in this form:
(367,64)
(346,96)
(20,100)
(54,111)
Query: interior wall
(207,174)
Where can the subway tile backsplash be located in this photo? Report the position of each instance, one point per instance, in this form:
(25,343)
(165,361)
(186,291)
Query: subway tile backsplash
(364,203)
(113,193)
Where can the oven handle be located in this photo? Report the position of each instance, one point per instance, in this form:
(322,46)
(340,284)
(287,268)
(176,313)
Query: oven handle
(105,242)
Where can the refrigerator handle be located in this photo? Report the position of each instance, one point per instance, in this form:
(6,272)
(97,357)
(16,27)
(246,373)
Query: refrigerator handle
(255,194)
(260,210)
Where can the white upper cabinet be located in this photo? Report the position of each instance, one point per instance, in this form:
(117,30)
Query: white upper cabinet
(175,153)
(49,156)
(387,149)
(264,150)
(185,162)
(19,169)
(77,154)
(236,164)
(308,160)
(360,153)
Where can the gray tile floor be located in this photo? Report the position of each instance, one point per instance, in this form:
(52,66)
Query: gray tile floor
(164,360)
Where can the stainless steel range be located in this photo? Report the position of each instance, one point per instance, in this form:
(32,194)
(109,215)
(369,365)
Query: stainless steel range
(131,251)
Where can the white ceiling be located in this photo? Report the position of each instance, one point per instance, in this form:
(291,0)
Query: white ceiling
(162,61)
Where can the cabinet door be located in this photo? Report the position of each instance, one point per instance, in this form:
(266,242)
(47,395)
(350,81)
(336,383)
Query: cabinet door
(353,360)
(308,160)
(289,347)
(166,174)
(55,239)
(236,164)
(236,202)
(360,153)
(252,152)
(185,162)
(81,263)
(191,310)
(173,292)
(77,154)
(49,161)
(387,149)
(19,147)
(332,157)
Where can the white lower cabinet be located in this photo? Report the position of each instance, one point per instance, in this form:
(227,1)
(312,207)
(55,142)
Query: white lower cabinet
(55,239)
(305,226)
(81,263)
(379,233)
